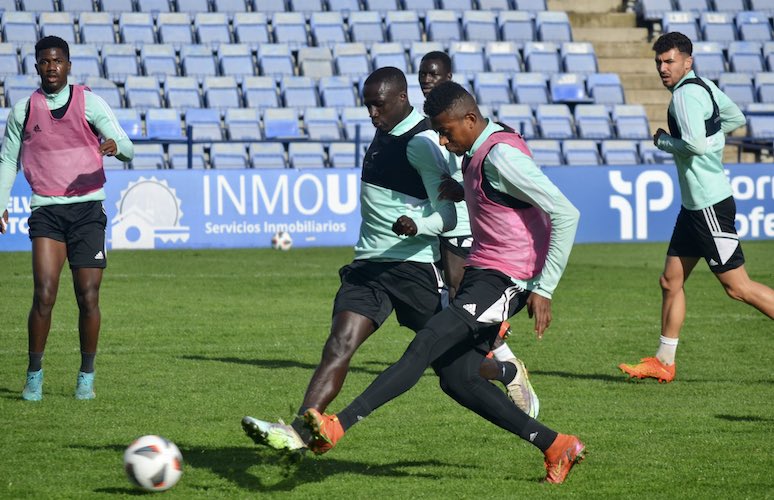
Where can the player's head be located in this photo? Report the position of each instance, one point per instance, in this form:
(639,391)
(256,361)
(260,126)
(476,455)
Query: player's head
(52,62)
(435,68)
(454,114)
(385,95)
(673,57)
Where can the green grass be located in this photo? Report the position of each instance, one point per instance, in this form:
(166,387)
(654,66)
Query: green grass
(194,340)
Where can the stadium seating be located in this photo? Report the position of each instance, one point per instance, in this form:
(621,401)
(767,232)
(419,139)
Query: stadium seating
(745,57)
(142,92)
(580,152)
(717,27)
(354,118)
(204,124)
(275,59)
(178,156)
(467,59)
(631,121)
(530,88)
(542,57)
(764,87)
(366,27)
(136,28)
(389,54)
(578,57)
(158,59)
(753,26)
(605,88)
(299,92)
(760,121)
(402,26)
(260,92)
(315,62)
(620,152)
(516,26)
(221,92)
(553,26)
(182,92)
(503,56)
(327,28)
(163,123)
(251,28)
(519,117)
(281,123)
(85,61)
(491,88)
(480,25)
(322,123)
(569,88)
(228,156)
(442,26)
(290,28)
(555,121)
(546,152)
(130,121)
(593,121)
(107,90)
(175,28)
(306,155)
(211,28)
(684,22)
(19,27)
(267,155)
(708,59)
(739,87)
(243,124)
(119,61)
(96,28)
(9,61)
(337,92)
(148,157)
(235,59)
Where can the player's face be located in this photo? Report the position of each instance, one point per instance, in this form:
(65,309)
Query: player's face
(387,105)
(672,66)
(53,66)
(455,131)
(431,73)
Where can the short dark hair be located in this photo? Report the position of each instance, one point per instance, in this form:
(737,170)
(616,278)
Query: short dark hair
(52,42)
(441,57)
(446,96)
(388,74)
(673,40)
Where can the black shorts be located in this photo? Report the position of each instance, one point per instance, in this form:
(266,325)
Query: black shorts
(373,289)
(708,233)
(487,297)
(81,226)
(458,245)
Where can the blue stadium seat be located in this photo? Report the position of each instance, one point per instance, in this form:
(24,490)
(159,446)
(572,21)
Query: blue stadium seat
(136,28)
(344,6)
(381,7)
(85,61)
(760,120)
(530,88)
(653,10)
(306,155)
(495,5)
(389,54)
(739,87)
(467,59)
(555,121)
(745,57)
(580,152)
(76,5)
(18,87)
(9,61)
(267,155)
(117,7)
(269,6)
(531,6)
(119,61)
(37,6)
(96,28)
(631,121)
(418,50)
(764,87)
(480,25)
(649,153)
(315,62)
(107,90)
(753,26)
(299,92)
(178,156)
(112,163)
(553,26)
(684,22)
(228,156)
(221,92)
(7,5)
(243,124)
(158,59)
(327,28)
(130,121)
(198,61)
(337,92)
(322,123)
(19,27)
(236,59)
(275,59)
(351,59)
(419,6)
(353,117)
(695,7)
(717,27)
(578,57)
(212,28)
(251,28)
(730,6)
(568,88)
(175,28)
(542,57)
(620,152)
(290,28)
(491,88)
(403,26)
(546,152)
(204,124)
(306,7)
(768,55)
(281,122)
(260,92)
(442,26)
(59,24)
(593,121)
(193,7)
(516,26)
(182,92)
(519,117)
(342,155)
(765,6)
(148,157)
(4,113)
(163,123)
(605,88)
(366,27)
(708,59)
(154,7)
(503,56)
(142,92)
(230,7)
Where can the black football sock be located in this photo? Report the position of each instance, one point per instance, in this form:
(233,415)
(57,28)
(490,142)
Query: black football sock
(507,372)
(87,361)
(538,434)
(35,361)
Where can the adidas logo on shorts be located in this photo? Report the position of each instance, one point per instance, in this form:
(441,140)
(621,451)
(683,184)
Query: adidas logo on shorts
(99,256)
(471,308)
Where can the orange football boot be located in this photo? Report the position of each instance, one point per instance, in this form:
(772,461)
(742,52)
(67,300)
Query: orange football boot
(650,368)
(326,430)
(564,452)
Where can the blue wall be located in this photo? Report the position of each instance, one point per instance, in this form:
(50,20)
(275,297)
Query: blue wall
(243,208)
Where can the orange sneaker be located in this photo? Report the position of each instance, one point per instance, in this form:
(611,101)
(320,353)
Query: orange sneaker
(652,368)
(326,430)
(504,333)
(564,452)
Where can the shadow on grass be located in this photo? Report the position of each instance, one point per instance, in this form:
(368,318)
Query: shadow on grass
(580,376)
(283,363)
(744,418)
(10,393)
(237,465)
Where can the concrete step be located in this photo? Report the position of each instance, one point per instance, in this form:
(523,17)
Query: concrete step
(641,65)
(611,34)
(600,20)
(623,50)
(648,96)
(644,81)
(585,5)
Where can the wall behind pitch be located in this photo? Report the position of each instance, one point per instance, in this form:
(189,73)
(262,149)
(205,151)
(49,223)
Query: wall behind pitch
(243,208)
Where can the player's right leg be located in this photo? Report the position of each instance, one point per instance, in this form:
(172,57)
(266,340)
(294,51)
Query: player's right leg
(739,286)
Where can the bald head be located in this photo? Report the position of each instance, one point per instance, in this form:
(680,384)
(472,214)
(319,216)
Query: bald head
(385,95)
(388,75)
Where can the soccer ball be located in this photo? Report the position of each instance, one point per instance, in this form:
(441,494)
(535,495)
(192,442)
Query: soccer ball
(153,463)
(281,241)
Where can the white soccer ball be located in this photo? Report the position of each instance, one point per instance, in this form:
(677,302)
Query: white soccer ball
(281,241)
(153,463)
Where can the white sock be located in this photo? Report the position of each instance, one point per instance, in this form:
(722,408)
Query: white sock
(503,353)
(666,350)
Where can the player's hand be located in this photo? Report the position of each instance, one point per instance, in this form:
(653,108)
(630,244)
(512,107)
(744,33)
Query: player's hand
(657,135)
(404,226)
(450,190)
(4,222)
(108,148)
(539,307)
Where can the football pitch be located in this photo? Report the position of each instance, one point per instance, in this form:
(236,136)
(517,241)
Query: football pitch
(194,340)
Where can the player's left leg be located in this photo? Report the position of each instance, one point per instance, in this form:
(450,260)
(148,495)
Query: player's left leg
(739,286)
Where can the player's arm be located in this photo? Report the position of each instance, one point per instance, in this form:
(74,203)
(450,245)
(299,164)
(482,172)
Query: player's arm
(690,105)
(515,173)
(429,161)
(731,117)
(99,114)
(9,151)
